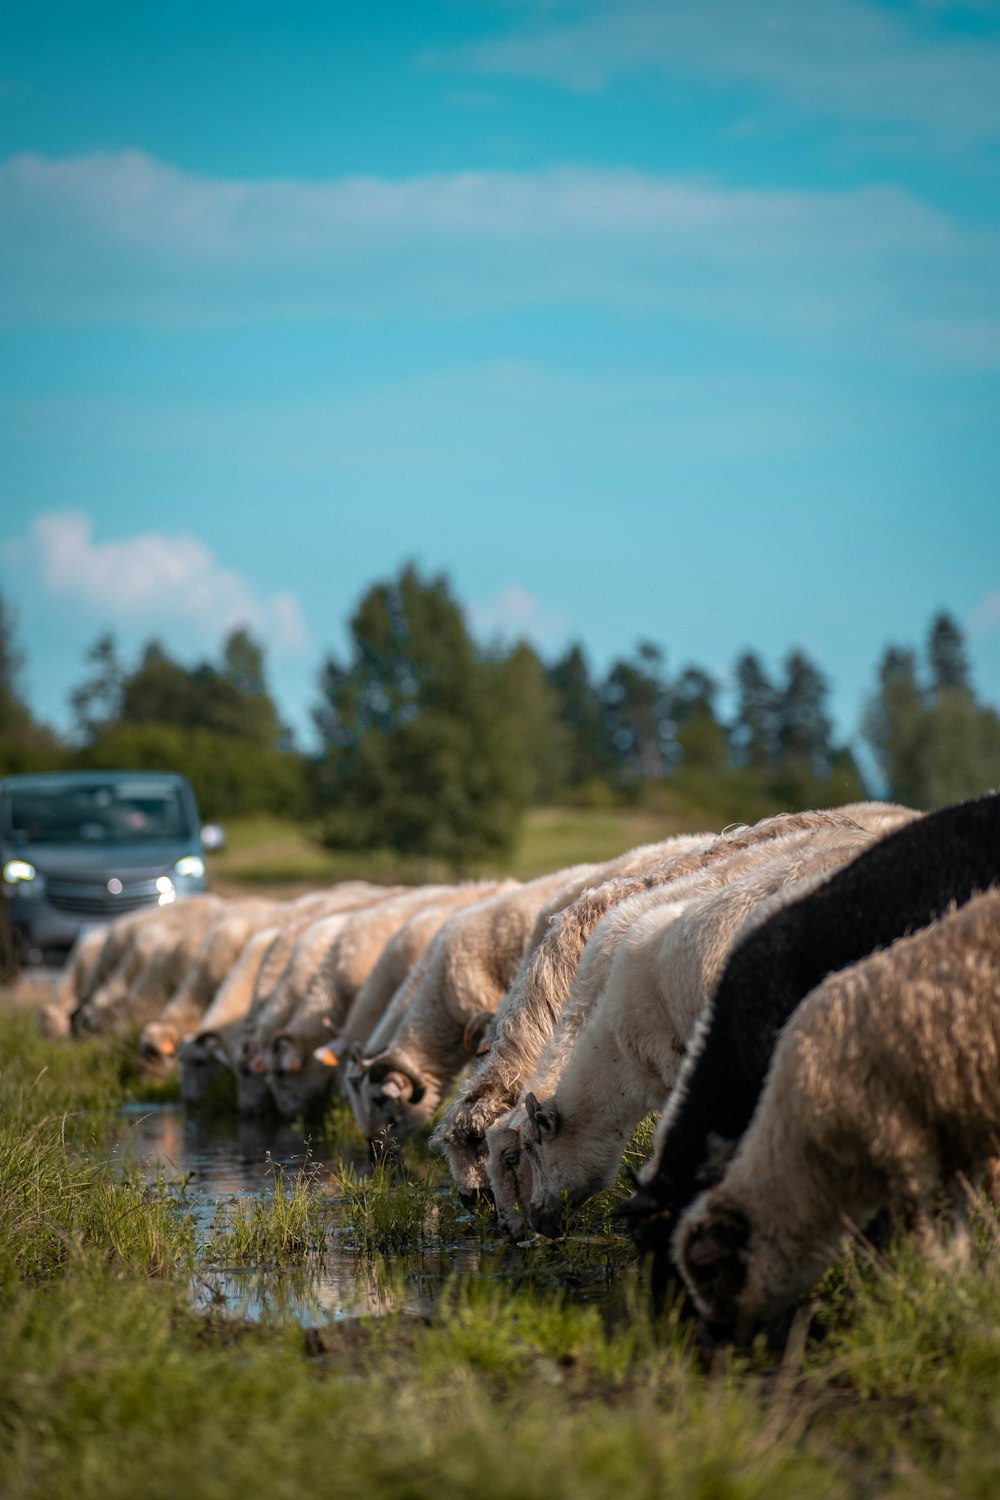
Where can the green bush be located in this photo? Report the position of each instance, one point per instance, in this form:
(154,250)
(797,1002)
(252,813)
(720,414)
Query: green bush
(230,776)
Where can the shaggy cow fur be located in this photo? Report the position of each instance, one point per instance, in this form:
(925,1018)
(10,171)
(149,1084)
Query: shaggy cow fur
(396,962)
(77,982)
(509,1168)
(527,1017)
(218,950)
(462,978)
(156,955)
(904,882)
(301,1082)
(884,1092)
(665,966)
(284,977)
(202,1058)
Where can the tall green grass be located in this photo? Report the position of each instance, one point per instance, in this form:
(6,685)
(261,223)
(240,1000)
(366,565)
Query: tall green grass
(60,1206)
(111,1386)
(285,1224)
(389,1207)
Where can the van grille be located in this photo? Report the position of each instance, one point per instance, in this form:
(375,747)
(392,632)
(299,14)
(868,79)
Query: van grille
(93,900)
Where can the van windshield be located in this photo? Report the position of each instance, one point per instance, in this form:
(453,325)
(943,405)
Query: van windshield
(110,812)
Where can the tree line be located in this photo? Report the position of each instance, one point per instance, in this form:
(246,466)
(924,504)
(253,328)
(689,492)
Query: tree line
(433,746)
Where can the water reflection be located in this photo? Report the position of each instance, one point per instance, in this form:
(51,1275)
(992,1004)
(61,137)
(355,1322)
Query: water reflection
(215,1157)
(209,1164)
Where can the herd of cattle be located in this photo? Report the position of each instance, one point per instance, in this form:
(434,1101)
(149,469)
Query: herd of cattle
(812,1004)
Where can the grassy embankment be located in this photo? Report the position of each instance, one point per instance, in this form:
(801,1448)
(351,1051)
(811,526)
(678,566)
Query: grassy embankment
(270,852)
(110,1386)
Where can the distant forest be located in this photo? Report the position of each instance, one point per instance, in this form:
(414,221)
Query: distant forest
(433,745)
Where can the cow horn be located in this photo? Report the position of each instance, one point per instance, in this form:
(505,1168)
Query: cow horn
(396,1085)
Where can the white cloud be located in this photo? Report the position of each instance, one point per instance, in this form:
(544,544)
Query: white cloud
(515,614)
(132,201)
(851,59)
(124,237)
(986,616)
(155,581)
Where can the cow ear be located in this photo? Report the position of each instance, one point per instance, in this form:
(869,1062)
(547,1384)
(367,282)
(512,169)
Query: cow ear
(476,1038)
(544,1118)
(713,1256)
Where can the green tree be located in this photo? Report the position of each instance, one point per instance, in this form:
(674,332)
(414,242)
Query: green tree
(15,716)
(590,755)
(754,732)
(959,750)
(256,717)
(97,702)
(701,741)
(637,715)
(420,754)
(243,662)
(894,725)
(231,777)
(25,745)
(947,656)
(803,726)
(541,741)
(934,743)
(216,725)
(231,701)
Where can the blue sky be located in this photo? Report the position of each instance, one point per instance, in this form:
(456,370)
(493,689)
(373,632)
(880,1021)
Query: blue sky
(676,320)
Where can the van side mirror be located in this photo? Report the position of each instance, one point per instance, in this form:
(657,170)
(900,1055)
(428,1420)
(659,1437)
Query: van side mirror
(213,838)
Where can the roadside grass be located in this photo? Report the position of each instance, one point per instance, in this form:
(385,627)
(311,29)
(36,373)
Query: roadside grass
(81,1083)
(554,837)
(272,852)
(287,856)
(111,1386)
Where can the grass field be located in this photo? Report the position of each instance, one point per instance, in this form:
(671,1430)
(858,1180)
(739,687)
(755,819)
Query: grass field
(111,1386)
(271,852)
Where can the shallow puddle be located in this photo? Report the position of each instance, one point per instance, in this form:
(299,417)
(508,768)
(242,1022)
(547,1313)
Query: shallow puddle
(209,1166)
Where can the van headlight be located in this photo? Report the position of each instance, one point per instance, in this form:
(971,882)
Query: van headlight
(190,867)
(21,877)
